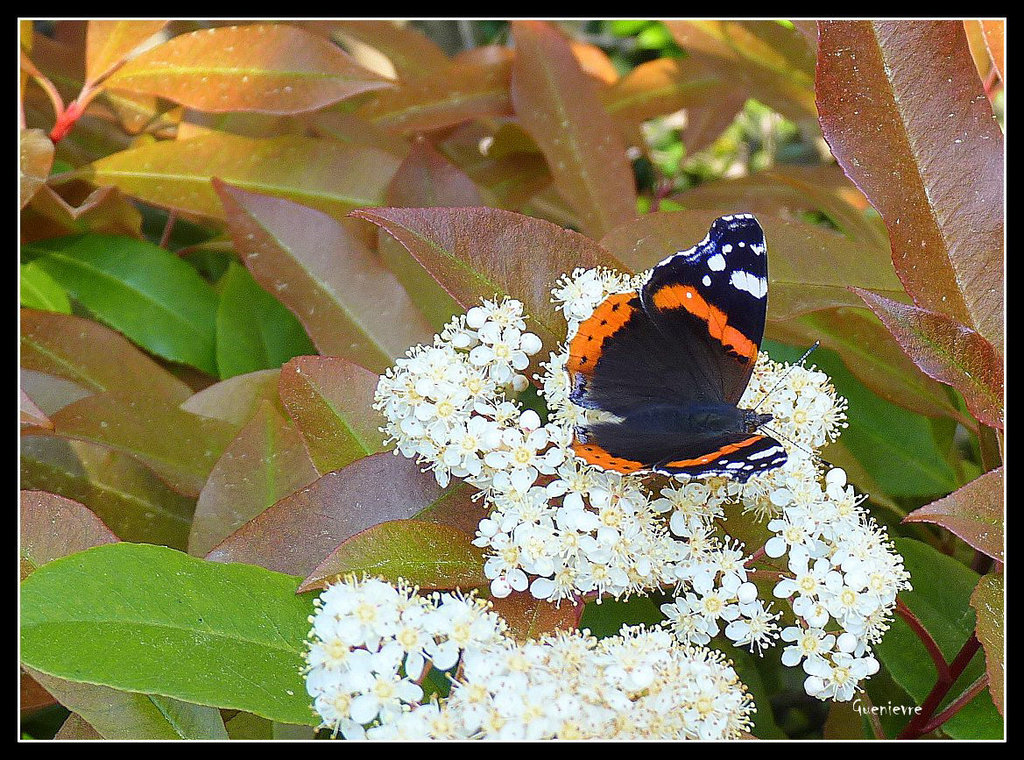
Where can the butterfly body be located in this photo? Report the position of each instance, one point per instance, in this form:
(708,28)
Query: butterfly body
(670,362)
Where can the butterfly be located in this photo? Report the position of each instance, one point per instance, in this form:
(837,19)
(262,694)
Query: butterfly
(670,362)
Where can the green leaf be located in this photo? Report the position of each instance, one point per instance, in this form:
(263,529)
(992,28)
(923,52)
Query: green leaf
(269,68)
(40,291)
(119,489)
(906,116)
(940,600)
(149,619)
(429,555)
(254,331)
(990,606)
(145,292)
(116,714)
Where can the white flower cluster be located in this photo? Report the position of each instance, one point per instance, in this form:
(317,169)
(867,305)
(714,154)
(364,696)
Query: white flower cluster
(371,644)
(567,530)
(843,575)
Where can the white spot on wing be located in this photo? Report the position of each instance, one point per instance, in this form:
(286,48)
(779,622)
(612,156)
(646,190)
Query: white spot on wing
(756,286)
(716,263)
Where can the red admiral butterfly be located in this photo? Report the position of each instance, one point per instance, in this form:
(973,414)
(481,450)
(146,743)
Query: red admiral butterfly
(672,360)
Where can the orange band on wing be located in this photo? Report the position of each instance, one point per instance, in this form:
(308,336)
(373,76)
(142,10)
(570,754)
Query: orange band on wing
(610,315)
(727,449)
(591,453)
(687,297)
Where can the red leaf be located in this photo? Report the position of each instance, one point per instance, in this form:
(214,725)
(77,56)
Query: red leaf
(53,526)
(298,532)
(483,252)
(973,512)
(906,117)
(265,462)
(530,618)
(947,351)
(350,305)
(330,400)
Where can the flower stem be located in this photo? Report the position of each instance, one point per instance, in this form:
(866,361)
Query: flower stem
(918,725)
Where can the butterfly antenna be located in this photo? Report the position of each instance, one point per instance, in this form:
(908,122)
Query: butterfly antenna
(781,379)
(794,444)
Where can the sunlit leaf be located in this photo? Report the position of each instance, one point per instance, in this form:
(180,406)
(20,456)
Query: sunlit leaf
(994,30)
(40,291)
(110,42)
(410,52)
(775,64)
(324,174)
(350,305)
(265,462)
(185,625)
(558,105)
(429,555)
(269,68)
(443,97)
(914,129)
(974,512)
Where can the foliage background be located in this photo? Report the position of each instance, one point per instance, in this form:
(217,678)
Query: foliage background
(202,317)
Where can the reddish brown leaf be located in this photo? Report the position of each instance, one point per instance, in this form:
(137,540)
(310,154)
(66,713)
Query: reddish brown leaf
(180,447)
(76,728)
(124,493)
(974,512)
(93,356)
(771,62)
(595,63)
(559,106)
(330,400)
(810,267)
(530,618)
(425,179)
(36,160)
(268,68)
(906,117)
(352,128)
(443,97)
(265,462)
(176,174)
(32,696)
(236,399)
(482,252)
(990,608)
(50,392)
(350,305)
(298,532)
(429,555)
(947,351)
(110,42)
(53,526)
(30,414)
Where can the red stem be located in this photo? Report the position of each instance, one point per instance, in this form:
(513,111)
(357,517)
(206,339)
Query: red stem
(957,704)
(926,638)
(917,726)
